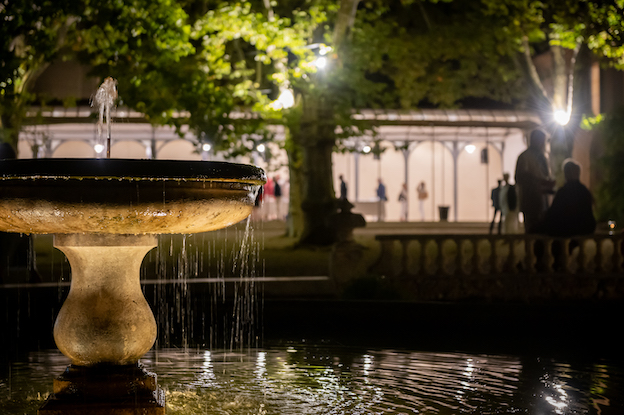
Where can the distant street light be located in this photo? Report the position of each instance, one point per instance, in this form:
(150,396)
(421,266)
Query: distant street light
(261,148)
(470,148)
(98,148)
(321,62)
(366,149)
(206,147)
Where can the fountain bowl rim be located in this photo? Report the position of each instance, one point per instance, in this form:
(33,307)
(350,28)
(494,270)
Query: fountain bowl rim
(131,169)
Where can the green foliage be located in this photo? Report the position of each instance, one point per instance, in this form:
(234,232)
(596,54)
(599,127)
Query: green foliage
(610,194)
(439,55)
(565,23)
(589,123)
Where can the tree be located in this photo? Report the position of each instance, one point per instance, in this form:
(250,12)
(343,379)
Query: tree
(214,60)
(148,35)
(560,29)
(610,190)
(389,54)
(211,60)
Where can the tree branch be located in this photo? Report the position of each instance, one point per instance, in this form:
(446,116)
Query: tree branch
(344,21)
(425,15)
(531,68)
(575,53)
(560,77)
(267,6)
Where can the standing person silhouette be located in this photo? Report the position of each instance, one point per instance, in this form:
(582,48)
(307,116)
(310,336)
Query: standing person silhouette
(403,201)
(343,188)
(508,200)
(533,181)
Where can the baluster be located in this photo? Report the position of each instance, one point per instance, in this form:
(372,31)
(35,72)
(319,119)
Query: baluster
(462,257)
(456,264)
(582,258)
(422,270)
(598,259)
(385,264)
(564,257)
(404,259)
(492,259)
(440,243)
(511,258)
(617,255)
(475,256)
(548,259)
(529,256)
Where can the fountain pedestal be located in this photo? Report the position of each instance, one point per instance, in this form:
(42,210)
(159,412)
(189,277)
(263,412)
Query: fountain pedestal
(105,390)
(104,327)
(105,318)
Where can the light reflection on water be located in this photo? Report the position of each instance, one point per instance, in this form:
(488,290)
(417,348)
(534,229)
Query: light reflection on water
(330,380)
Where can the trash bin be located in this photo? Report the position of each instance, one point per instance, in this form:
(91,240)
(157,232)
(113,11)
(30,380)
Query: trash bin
(443,211)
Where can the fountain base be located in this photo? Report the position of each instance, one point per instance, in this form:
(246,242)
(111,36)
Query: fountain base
(105,389)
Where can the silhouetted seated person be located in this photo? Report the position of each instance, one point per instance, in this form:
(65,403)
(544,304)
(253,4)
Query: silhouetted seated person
(571,212)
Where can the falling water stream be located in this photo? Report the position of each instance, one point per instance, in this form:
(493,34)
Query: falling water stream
(104,100)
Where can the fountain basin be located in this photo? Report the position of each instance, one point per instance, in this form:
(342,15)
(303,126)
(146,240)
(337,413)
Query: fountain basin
(104,214)
(119,196)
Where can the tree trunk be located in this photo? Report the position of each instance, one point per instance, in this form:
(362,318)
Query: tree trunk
(310,146)
(295,223)
(11,122)
(311,165)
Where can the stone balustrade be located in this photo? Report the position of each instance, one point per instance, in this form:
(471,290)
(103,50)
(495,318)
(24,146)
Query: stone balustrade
(503,266)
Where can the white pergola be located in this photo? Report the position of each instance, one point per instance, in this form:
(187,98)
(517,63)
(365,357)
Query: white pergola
(454,129)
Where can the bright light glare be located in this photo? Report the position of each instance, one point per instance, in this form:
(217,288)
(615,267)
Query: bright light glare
(321,62)
(324,50)
(286,99)
(206,147)
(470,148)
(366,149)
(261,148)
(98,148)
(561,117)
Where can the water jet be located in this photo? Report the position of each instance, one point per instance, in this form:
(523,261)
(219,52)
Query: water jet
(105,215)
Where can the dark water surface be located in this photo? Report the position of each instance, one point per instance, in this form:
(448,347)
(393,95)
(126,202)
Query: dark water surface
(322,379)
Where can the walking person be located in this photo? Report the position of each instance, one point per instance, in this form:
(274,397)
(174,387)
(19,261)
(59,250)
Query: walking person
(496,205)
(381,196)
(421,190)
(277,193)
(403,201)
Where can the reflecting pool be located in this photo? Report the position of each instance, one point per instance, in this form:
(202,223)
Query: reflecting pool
(327,379)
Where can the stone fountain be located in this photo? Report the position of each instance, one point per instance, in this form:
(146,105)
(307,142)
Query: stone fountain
(105,215)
